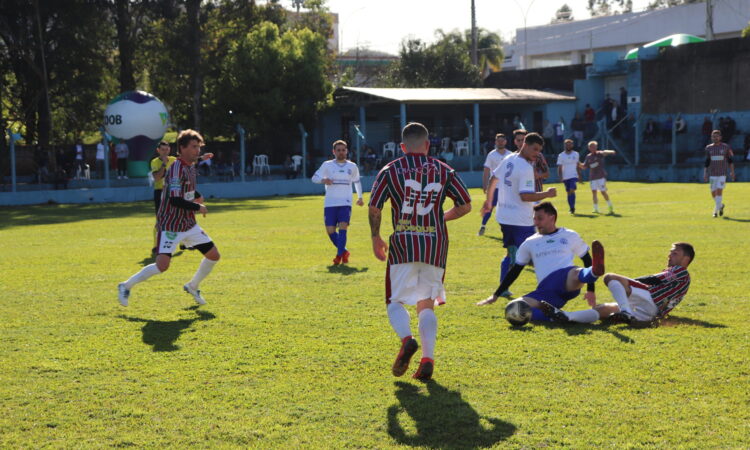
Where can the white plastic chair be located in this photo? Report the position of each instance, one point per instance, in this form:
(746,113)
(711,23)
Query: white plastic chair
(297,162)
(462,147)
(445,145)
(83,173)
(260,165)
(389,148)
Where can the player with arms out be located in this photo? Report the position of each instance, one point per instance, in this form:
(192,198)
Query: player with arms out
(493,159)
(417,185)
(516,194)
(176,221)
(598,176)
(640,300)
(718,159)
(337,175)
(569,171)
(552,250)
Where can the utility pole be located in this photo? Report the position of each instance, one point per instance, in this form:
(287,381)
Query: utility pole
(474,58)
(709,20)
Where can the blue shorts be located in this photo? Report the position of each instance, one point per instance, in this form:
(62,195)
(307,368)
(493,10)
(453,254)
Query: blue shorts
(570,184)
(336,214)
(514,235)
(552,290)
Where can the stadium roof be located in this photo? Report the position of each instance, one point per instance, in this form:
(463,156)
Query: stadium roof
(447,95)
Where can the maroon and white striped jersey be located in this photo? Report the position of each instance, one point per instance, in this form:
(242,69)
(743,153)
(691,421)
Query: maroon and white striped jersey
(667,288)
(719,156)
(180,181)
(417,186)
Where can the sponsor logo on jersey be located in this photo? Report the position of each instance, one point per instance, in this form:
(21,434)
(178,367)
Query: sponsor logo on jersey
(170,234)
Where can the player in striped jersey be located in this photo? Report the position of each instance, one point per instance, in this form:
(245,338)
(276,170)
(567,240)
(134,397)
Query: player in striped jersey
(493,159)
(718,159)
(176,221)
(338,175)
(643,299)
(416,185)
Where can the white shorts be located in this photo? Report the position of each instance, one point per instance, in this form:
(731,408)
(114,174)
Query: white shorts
(169,240)
(600,184)
(717,182)
(412,282)
(643,306)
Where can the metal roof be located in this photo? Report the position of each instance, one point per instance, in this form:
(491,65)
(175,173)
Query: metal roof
(449,95)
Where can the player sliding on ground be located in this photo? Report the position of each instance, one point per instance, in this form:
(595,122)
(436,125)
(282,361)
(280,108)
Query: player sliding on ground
(417,186)
(176,221)
(552,250)
(337,175)
(643,299)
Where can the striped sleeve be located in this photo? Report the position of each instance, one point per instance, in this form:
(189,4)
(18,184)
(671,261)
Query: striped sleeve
(457,191)
(379,191)
(174,179)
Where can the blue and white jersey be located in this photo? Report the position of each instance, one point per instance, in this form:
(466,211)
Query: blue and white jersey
(569,163)
(495,157)
(515,177)
(551,252)
(343,175)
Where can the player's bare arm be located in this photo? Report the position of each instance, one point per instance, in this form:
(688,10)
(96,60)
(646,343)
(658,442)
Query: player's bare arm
(379,247)
(485,179)
(457,211)
(537,196)
(487,207)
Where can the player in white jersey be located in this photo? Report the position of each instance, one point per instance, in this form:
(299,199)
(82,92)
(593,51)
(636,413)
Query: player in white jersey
(552,250)
(493,159)
(516,194)
(337,175)
(569,171)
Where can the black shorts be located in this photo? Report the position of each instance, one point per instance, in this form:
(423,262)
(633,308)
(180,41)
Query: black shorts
(157,199)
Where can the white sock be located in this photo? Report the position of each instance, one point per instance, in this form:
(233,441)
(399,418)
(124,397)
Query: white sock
(143,275)
(609,203)
(718,200)
(203,270)
(596,206)
(428,332)
(621,297)
(399,318)
(584,316)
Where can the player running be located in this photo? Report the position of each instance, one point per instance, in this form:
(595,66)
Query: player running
(569,171)
(718,157)
(640,300)
(337,175)
(493,159)
(551,250)
(417,186)
(598,176)
(176,221)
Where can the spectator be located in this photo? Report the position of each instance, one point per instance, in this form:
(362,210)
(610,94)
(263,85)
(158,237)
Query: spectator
(122,152)
(578,127)
(607,106)
(548,133)
(623,101)
(371,159)
(589,118)
(100,149)
(40,157)
(80,158)
(747,146)
(651,131)
(559,133)
(289,168)
(680,125)
(706,129)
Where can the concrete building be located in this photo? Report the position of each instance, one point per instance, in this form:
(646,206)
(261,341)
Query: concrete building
(576,42)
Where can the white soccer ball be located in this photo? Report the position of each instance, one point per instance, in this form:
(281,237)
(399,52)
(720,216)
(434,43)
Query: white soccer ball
(136,113)
(518,312)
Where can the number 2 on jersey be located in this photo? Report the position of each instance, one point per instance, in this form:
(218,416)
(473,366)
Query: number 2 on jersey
(507,174)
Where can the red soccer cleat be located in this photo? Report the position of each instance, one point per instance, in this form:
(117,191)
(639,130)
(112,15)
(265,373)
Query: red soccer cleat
(424,372)
(345,257)
(408,348)
(337,260)
(597,266)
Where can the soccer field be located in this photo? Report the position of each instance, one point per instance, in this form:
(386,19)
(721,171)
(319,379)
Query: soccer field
(291,351)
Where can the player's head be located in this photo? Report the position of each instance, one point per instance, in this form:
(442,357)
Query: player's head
(500,140)
(189,143)
(545,218)
(415,138)
(532,146)
(681,254)
(163,148)
(593,146)
(340,150)
(518,136)
(716,136)
(568,145)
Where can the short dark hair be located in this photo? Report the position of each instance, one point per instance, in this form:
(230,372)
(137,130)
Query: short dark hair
(163,143)
(533,138)
(499,135)
(339,142)
(412,132)
(520,131)
(686,248)
(547,207)
(183,140)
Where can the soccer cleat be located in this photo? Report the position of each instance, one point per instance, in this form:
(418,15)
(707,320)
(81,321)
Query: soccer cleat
(345,257)
(553,313)
(597,266)
(196,293)
(424,371)
(123,294)
(481,231)
(595,211)
(408,349)
(721,210)
(507,294)
(715,215)
(622,317)
(337,260)
(572,210)
(611,210)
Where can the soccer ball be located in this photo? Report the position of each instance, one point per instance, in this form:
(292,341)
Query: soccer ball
(518,312)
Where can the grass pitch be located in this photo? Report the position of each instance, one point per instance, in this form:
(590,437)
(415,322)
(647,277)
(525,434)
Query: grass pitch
(292,352)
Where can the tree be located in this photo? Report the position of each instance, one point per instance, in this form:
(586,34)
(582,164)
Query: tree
(564,14)
(609,7)
(746,31)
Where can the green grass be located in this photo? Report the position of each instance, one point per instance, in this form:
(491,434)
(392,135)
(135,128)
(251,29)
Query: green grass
(291,352)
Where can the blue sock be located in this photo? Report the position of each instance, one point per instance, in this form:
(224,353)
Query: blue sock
(342,242)
(586,275)
(572,200)
(486,218)
(334,237)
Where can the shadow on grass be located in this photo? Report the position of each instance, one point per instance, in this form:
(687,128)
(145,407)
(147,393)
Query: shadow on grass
(343,269)
(53,214)
(586,216)
(672,321)
(442,419)
(736,220)
(577,329)
(152,259)
(162,335)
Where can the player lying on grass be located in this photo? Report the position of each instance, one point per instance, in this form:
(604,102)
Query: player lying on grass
(552,250)
(641,300)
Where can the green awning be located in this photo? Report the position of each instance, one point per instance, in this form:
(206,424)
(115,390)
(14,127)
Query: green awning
(669,41)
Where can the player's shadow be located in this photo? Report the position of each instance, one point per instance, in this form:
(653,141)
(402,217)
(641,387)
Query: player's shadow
(673,321)
(578,329)
(343,269)
(442,419)
(162,335)
(586,216)
(736,220)
(493,237)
